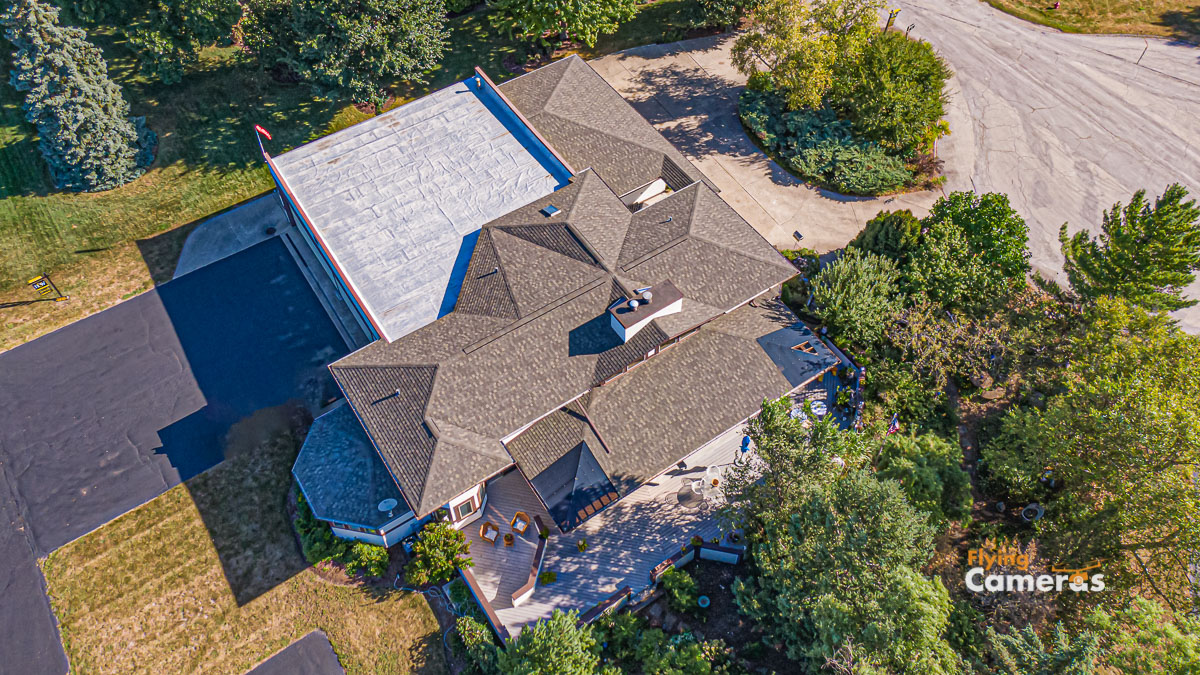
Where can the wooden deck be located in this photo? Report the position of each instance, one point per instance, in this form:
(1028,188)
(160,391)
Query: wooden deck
(625,541)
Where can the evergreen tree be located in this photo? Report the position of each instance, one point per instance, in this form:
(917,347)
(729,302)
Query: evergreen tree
(85,133)
(1145,254)
(1024,653)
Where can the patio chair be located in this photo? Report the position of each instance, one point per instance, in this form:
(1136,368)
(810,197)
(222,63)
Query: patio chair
(520,522)
(489,532)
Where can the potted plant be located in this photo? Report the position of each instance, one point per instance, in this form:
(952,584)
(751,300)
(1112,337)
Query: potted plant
(582,545)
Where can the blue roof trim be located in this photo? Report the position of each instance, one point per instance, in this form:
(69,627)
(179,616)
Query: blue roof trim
(527,137)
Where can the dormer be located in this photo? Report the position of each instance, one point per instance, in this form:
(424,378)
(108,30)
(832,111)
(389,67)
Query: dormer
(631,314)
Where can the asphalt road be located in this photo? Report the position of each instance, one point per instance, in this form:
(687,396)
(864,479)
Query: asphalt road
(310,655)
(109,412)
(1066,125)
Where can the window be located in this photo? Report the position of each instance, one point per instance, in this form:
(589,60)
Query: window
(464,509)
(806,348)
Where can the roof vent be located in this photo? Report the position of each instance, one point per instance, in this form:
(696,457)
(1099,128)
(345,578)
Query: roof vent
(550,210)
(627,316)
(647,296)
(633,304)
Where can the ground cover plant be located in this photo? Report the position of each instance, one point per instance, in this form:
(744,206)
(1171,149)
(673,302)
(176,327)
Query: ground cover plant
(838,102)
(208,577)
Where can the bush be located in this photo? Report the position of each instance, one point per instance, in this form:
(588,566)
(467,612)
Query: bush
(929,470)
(680,589)
(547,578)
(316,539)
(459,593)
(724,13)
(478,644)
(459,6)
(437,554)
(1012,460)
(555,645)
(368,559)
(857,295)
(913,398)
(821,148)
(891,234)
(893,93)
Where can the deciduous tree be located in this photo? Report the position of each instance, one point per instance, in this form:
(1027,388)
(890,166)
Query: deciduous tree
(583,20)
(84,130)
(799,44)
(1144,639)
(1145,254)
(857,295)
(437,554)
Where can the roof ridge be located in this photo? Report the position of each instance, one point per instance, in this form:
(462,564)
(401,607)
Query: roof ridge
(778,261)
(500,270)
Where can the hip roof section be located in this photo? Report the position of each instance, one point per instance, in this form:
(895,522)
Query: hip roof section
(397,199)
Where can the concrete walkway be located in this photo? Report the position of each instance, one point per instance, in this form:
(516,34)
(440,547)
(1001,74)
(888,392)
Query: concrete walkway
(1066,125)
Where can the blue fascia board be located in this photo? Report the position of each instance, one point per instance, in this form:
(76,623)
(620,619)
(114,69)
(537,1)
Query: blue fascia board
(525,136)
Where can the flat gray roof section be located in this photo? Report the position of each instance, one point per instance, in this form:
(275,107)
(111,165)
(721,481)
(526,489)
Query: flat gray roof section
(398,199)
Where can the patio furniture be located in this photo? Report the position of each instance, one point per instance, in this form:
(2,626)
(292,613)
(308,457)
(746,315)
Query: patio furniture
(489,532)
(520,522)
(688,497)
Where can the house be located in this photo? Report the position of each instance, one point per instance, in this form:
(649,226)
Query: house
(563,308)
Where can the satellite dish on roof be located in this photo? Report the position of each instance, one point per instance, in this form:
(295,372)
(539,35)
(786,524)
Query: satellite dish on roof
(388,504)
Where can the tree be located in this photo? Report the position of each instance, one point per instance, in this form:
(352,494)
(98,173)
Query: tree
(167,35)
(892,234)
(801,44)
(1144,254)
(973,253)
(1124,441)
(554,645)
(938,344)
(1143,639)
(350,48)
(477,642)
(929,471)
(437,554)
(842,567)
(893,93)
(1024,653)
(857,295)
(85,133)
(725,12)
(584,20)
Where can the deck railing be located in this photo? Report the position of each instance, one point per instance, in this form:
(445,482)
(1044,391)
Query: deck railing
(535,568)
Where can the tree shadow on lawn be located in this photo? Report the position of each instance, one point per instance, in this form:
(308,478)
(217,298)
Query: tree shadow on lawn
(1184,25)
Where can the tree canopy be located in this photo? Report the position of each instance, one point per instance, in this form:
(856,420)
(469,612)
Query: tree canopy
(929,471)
(85,133)
(437,555)
(1145,253)
(554,645)
(1025,653)
(583,20)
(857,295)
(893,234)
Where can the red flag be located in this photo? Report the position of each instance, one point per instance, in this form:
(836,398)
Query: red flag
(262,131)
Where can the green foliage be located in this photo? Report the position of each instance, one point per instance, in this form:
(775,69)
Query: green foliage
(965,635)
(554,645)
(547,578)
(636,647)
(316,539)
(1145,254)
(820,147)
(892,234)
(929,471)
(1013,461)
(458,593)
(349,48)
(84,130)
(368,559)
(974,252)
(438,553)
(1024,653)
(893,93)
(1143,639)
(802,44)
(583,20)
(842,566)
(857,295)
(457,6)
(478,644)
(723,13)
(166,35)
(1124,439)
(680,590)
(913,397)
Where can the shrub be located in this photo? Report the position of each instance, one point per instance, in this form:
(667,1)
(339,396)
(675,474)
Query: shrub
(478,644)
(893,93)
(913,398)
(724,13)
(680,589)
(1013,461)
(857,295)
(547,578)
(459,593)
(555,645)
(316,539)
(437,554)
(929,470)
(458,6)
(891,234)
(821,148)
(368,559)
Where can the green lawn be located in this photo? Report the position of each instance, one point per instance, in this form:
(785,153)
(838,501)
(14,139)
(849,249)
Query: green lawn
(208,158)
(208,578)
(1165,18)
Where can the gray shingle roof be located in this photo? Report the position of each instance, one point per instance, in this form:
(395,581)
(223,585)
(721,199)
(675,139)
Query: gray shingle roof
(587,121)
(531,330)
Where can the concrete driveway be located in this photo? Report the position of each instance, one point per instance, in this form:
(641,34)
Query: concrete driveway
(1066,125)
